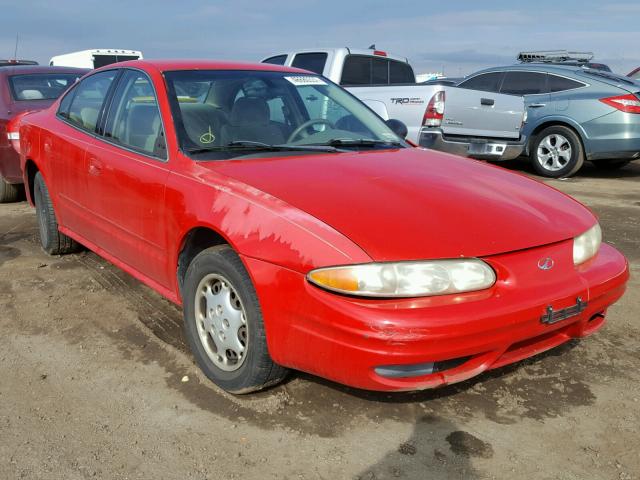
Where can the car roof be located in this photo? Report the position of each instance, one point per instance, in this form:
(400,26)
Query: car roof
(545,67)
(170,65)
(26,69)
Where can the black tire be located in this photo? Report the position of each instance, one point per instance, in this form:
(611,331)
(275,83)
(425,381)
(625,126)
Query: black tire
(256,370)
(610,164)
(547,168)
(8,191)
(53,242)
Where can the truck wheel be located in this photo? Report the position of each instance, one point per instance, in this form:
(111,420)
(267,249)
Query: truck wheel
(8,191)
(53,242)
(610,164)
(557,152)
(223,323)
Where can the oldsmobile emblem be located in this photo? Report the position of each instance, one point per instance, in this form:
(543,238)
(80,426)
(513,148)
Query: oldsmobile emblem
(546,263)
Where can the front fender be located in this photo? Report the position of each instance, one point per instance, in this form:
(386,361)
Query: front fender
(254,223)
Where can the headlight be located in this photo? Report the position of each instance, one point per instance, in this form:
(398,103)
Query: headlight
(406,279)
(587,245)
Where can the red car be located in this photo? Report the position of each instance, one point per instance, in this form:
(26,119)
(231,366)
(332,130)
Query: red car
(25,88)
(299,231)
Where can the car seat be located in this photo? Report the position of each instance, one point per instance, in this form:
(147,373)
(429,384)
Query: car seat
(250,121)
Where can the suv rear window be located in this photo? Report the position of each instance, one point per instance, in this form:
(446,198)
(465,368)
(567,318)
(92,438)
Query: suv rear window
(524,83)
(485,82)
(314,62)
(368,70)
(40,86)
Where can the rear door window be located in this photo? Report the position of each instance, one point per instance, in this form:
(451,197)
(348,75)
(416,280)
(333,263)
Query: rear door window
(134,118)
(559,84)
(524,83)
(314,62)
(87,101)
(485,82)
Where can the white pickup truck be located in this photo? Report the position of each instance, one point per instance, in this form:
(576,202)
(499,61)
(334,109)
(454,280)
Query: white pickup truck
(456,120)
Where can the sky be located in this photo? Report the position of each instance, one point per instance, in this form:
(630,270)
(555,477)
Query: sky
(458,37)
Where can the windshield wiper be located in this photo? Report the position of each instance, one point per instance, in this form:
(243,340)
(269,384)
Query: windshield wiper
(260,146)
(362,142)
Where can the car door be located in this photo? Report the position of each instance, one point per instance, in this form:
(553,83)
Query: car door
(475,108)
(66,148)
(533,87)
(127,171)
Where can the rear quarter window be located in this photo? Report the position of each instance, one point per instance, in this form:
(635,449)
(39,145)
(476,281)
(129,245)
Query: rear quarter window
(559,84)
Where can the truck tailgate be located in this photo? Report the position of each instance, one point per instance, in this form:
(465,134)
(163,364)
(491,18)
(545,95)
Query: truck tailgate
(482,114)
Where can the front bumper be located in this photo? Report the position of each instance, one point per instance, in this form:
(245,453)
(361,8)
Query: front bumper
(480,148)
(345,339)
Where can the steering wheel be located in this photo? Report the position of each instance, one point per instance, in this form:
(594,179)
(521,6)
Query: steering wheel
(307,124)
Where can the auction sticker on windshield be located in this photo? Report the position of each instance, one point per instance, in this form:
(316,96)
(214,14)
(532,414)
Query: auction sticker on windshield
(305,80)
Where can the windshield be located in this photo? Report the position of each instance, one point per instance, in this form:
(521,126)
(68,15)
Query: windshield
(40,86)
(230,111)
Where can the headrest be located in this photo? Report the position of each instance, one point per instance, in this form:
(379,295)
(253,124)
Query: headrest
(250,111)
(31,95)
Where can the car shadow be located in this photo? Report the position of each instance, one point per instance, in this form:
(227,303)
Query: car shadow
(436,449)
(588,170)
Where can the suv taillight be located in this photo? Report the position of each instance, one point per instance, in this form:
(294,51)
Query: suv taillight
(434,113)
(625,103)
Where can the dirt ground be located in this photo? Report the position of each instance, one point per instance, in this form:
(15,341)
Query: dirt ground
(91,386)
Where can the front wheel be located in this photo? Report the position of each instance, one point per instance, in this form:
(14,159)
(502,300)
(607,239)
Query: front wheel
(223,323)
(557,152)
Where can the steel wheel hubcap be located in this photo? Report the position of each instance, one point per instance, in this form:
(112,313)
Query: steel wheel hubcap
(222,322)
(554,152)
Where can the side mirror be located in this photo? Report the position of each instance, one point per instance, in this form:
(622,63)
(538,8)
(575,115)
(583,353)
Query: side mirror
(398,127)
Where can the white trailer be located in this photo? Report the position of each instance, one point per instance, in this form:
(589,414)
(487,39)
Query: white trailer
(95,58)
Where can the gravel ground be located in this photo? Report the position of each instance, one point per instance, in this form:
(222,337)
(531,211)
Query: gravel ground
(96,382)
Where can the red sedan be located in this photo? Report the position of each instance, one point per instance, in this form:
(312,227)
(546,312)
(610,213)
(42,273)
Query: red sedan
(25,88)
(298,230)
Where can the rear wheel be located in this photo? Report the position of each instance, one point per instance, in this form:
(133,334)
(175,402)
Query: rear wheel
(557,152)
(610,164)
(8,191)
(223,323)
(53,242)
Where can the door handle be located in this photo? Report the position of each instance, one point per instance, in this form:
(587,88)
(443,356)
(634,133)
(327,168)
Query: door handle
(537,105)
(487,101)
(95,166)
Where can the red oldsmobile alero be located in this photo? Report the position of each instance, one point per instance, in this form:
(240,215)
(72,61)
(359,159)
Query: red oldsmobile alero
(299,230)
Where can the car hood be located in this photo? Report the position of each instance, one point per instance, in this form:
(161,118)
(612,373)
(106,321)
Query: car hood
(415,204)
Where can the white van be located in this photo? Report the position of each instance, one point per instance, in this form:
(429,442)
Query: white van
(94,58)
